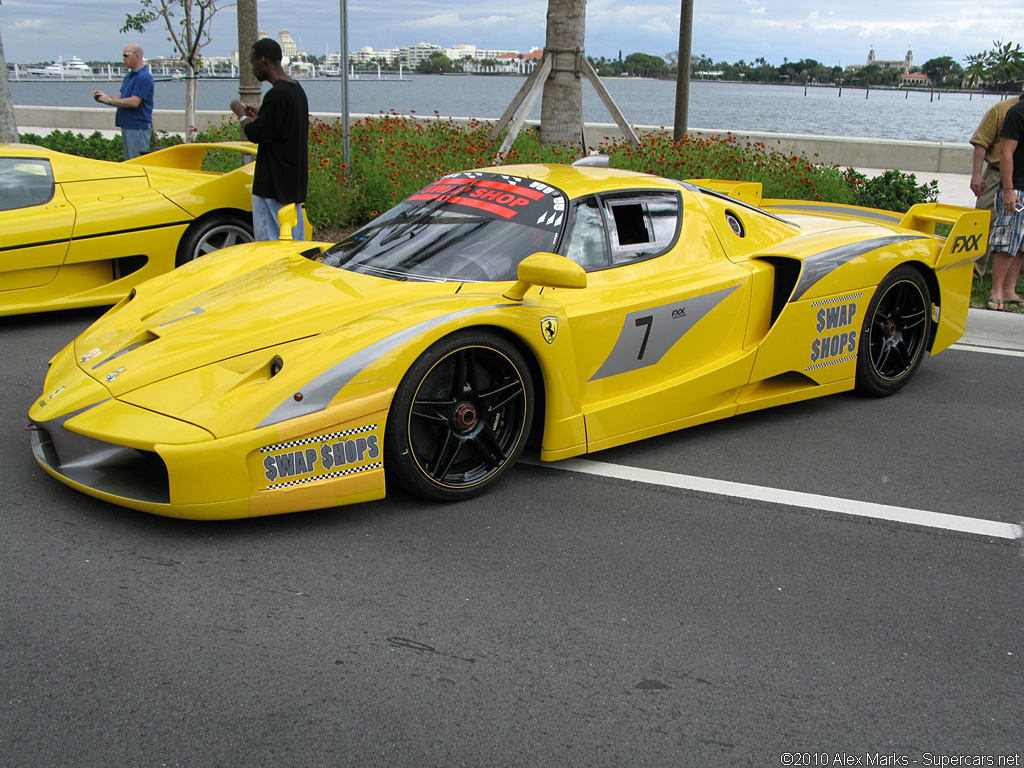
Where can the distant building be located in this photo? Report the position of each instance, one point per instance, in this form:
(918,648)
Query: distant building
(414,54)
(509,63)
(462,51)
(915,80)
(903,65)
(288,47)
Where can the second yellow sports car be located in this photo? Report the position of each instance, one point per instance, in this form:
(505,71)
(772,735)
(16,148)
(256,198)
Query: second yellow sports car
(76,232)
(577,306)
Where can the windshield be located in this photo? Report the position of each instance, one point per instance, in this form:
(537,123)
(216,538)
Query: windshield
(466,226)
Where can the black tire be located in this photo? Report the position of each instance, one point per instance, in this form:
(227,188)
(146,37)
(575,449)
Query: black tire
(460,418)
(211,233)
(895,333)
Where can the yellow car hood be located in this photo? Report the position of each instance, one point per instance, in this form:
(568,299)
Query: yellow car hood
(242,300)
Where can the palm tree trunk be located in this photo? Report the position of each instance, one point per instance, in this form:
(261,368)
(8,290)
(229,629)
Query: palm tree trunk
(8,126)
(561,111)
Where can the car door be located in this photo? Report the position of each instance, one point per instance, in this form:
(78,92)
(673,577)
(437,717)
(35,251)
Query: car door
(36,222)
(659,330)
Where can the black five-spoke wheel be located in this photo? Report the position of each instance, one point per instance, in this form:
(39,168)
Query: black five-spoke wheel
(895,333)
(460,417)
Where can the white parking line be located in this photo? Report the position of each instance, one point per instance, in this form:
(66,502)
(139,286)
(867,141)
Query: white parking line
(920,517)
(989,350)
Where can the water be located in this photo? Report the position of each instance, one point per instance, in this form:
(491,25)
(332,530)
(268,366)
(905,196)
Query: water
(727,106)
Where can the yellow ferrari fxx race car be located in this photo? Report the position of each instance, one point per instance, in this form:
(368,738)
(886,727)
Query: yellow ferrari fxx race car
(577,307)
(76,232)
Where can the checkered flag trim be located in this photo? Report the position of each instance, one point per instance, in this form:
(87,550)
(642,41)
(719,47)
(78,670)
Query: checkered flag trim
(328,476)
(827,363)
(318,438)
(823,302)
(935,313)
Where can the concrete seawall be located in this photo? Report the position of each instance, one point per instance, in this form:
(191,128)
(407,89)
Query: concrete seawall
(917,156)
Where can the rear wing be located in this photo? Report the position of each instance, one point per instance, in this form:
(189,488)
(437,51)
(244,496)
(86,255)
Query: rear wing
(966,241)
(189,157)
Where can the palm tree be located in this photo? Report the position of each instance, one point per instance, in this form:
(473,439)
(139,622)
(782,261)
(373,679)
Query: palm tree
(561,111)
(975,69)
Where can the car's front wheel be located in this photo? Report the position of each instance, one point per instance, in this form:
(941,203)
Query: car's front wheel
(895,333)
(211,233)
(460,418)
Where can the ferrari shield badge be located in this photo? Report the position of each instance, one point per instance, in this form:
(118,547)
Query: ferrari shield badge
(549,328)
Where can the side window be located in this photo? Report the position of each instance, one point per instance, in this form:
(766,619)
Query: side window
(24,182)
(643,226)
(587,244)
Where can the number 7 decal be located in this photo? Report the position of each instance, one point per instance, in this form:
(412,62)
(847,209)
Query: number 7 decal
(647,320)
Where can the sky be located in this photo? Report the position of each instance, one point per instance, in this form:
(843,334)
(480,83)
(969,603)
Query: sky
(725,30)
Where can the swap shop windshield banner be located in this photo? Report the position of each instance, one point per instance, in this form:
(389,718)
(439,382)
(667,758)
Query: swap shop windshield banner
(497,196)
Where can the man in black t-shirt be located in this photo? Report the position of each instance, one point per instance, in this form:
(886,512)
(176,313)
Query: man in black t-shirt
(1007,239)
(280,127)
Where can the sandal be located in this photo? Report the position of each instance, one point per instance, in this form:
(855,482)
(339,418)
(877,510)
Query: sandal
(996,305)
(1015,302)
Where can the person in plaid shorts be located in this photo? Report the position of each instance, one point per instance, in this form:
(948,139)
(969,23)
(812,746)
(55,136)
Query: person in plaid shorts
(1006,242)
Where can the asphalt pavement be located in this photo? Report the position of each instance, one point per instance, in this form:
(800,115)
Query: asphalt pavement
(564,619)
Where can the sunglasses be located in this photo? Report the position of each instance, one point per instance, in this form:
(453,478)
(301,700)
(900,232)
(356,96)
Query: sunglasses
(126,55)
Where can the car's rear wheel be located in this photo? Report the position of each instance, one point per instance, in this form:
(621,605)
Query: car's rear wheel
(460,418)
(211,233)
(895,333)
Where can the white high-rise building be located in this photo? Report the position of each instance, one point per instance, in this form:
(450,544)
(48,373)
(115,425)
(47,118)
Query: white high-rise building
(288,47)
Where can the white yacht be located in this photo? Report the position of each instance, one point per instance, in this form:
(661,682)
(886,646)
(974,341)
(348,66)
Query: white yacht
(73,67)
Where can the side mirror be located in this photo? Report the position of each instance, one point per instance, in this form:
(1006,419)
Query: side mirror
(546,270)
(288,219)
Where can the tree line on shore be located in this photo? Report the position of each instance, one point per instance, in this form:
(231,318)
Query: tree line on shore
(1000,68)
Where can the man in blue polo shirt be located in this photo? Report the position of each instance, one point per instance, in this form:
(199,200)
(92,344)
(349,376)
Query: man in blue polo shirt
(134,105)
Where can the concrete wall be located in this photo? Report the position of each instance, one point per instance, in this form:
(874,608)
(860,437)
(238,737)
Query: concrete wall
(920,156)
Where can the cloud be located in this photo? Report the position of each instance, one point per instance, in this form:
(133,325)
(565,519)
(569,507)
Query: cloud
(757,11)
(28,25)
(455,21)
(657,25)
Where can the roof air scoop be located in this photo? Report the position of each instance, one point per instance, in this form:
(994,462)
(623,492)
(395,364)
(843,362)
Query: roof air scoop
(594,160)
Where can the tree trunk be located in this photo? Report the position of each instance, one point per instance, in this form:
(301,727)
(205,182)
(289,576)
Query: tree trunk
(561,111)
(8,126)
(683,70)
(248,29)
(191,86)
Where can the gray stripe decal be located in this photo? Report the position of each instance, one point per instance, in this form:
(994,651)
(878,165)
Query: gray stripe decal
(648,334)
(839,209)
(320,391)
(821,264)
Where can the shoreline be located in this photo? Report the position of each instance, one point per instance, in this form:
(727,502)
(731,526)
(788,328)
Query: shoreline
(408,75)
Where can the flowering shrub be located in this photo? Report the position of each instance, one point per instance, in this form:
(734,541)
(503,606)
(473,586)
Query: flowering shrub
(392,156)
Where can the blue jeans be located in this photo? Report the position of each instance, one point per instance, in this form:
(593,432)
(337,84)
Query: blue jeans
(135,140)
(264,219)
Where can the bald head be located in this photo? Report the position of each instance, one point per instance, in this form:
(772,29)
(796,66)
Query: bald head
(132,57)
